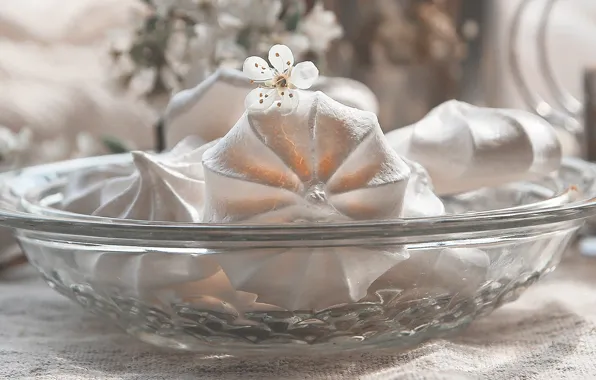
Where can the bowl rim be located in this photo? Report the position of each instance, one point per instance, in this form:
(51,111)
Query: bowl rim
(425,229)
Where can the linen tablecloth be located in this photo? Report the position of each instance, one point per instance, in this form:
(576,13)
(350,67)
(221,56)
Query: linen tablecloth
(549,333)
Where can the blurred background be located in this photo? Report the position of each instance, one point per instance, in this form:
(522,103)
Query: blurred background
(87,77)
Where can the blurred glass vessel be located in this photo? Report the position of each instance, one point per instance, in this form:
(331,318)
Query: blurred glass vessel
(414,54)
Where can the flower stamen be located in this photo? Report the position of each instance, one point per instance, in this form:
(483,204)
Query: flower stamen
(281,81)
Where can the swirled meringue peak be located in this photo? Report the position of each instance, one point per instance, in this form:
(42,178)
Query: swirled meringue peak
(161,187)
(322,162)
(464,147)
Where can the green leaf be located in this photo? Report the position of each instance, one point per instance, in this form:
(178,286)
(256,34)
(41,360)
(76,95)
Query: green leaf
(292,21)
(114,145)
(243,38)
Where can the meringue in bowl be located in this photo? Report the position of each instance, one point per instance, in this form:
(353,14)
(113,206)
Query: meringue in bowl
(303,228)
(207,287)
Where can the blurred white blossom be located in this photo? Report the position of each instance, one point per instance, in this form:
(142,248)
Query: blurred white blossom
(297,42)
(262,14)
(321,28)
(184,41)
(14,147)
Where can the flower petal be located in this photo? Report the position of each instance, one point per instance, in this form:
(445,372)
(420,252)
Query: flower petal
(287,101)
(281,58)
(304,75)
(257,69)
(260,99)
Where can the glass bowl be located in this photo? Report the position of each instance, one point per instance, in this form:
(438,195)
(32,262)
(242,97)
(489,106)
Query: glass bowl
(170,284)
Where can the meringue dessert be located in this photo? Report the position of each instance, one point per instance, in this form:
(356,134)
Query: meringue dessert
(464,147)
(322,162)
(168,186)
(299,156)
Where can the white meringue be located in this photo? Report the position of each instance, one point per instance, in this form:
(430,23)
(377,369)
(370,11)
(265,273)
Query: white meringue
(323,162)
(464,147)
(457,271)
(214,293)
(420,200)
(165,187)
(208,110)
(142,273)
(82,192)
(349,92)
(308,278)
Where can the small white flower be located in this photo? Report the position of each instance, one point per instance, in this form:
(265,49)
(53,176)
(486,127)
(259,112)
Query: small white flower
(277,84)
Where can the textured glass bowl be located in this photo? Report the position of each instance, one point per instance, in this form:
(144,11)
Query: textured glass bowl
(162,282)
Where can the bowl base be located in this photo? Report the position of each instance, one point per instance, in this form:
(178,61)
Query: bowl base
(401,321)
